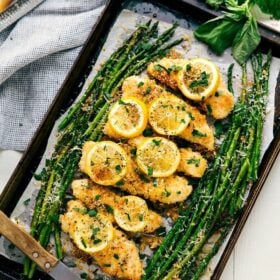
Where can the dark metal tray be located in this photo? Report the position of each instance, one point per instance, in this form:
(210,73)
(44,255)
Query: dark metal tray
(184,12)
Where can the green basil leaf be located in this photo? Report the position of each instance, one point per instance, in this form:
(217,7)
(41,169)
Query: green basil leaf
(215,3)
(218,33)
(271,7)
(234,7)
(246,41)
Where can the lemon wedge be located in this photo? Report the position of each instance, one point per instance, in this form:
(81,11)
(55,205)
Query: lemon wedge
(169,115)
(106,163)
(131,213)
(158,157)
(128,117)
(92,234)
(198,79)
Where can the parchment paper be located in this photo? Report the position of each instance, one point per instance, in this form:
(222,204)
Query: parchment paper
(124,25)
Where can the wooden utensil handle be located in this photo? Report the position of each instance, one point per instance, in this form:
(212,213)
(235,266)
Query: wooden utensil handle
(4,4)
(26,243)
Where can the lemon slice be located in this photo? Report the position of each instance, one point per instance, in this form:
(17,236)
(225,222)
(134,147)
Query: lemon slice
(106,163)
(92,234)
(131,213)
(88,145)
(158,157)
(199,79)
(128,117)
(168,115)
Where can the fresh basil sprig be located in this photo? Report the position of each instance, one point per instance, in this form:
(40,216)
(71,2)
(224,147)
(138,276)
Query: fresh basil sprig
(246,41)
(237,27)
(268,7)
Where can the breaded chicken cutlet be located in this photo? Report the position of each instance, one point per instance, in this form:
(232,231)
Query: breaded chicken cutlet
(218,105)
(119,259)
(96,197)
(198,131)
(167,190)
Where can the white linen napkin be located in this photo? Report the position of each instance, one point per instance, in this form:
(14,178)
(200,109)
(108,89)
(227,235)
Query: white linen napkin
(35,55)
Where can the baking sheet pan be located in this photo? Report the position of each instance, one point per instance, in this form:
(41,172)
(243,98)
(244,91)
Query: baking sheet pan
(21,177)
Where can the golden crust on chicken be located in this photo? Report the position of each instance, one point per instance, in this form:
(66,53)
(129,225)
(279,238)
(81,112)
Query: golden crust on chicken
(221,102)
(192,163)
(119,259)
(142,88)
(168,190)
(198,131)
(95,196)
(162,70)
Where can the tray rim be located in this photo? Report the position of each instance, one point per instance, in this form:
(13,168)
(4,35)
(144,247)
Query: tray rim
(50,117)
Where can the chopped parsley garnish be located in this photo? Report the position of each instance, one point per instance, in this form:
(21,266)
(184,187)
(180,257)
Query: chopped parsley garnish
(166,106)
(83,275)
(95,230)
(142,176)
(217,93)
(182,121)
(166,193)
(209,109)
(109,209)
(195,161)
(128,216)
(140,84)
(198,133)
(150,171)
(83,242)
(147,91)
(80,210)
(141,217)
(120,183)
(97,197)
(191,116)
(133,152)
(122,102)
(26,202)
(116,256)
(96,241)
(173,68)
(92,213)
(118,169)
(202,81)
(159,68)
(188,67)
(148,132)
(155,182)
(156,142)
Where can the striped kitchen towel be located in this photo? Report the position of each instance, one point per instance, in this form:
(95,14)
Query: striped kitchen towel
(35,55)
